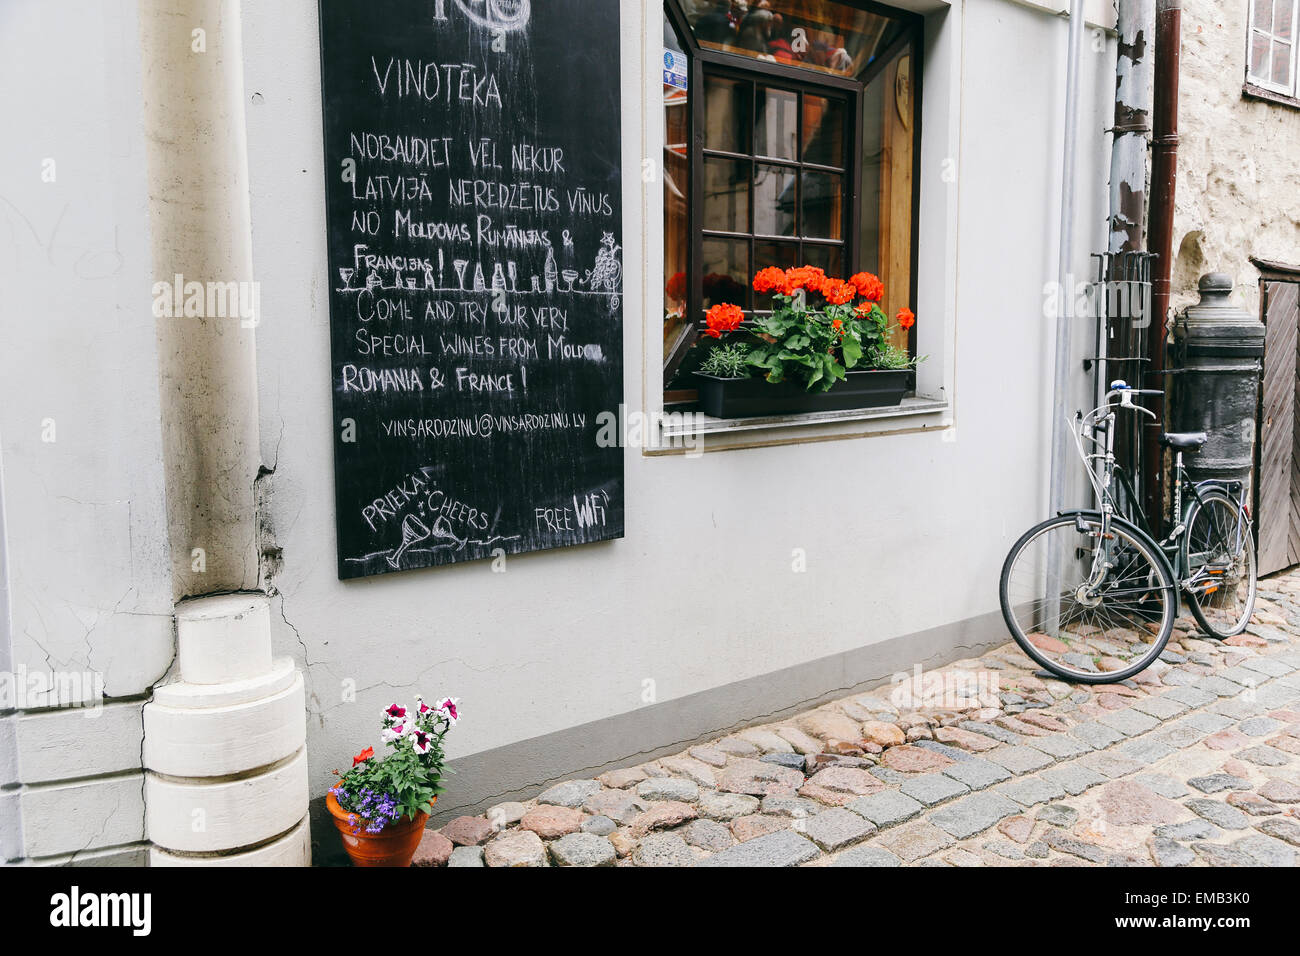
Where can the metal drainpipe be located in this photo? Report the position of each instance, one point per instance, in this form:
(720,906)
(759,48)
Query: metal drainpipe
(1060,432)
(1164,179)
(1061,384)
(1134,90)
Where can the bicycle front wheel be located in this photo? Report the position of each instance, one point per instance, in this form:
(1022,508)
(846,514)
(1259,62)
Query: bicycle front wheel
(1091,606)
(1219,558)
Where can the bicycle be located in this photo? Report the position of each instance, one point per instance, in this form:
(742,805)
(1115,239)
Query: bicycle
(1092,596)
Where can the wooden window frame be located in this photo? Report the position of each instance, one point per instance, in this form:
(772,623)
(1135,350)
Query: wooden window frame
(1262,83)
(709,62)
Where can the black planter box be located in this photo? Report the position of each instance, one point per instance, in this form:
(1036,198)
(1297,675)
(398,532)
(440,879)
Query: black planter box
(749,397)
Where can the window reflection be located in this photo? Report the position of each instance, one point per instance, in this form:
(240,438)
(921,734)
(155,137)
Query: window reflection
(811,34)
(676,196)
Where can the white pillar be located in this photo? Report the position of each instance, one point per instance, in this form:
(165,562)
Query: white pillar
(224,747)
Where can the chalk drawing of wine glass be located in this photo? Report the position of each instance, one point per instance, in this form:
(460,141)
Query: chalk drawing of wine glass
(346,274)
(442,529)
(413,530)
(570,276)
(497,15)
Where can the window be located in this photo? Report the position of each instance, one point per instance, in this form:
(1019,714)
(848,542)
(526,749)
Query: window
(791,137)
(1271,53)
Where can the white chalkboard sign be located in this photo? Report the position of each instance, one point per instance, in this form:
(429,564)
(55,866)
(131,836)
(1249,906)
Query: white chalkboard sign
(473,192)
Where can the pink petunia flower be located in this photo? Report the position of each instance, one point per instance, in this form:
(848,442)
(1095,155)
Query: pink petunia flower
(396,732)
(450,708)
(395,712)
(421,741)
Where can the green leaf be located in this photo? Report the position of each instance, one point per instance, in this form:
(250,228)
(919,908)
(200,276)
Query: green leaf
(852,351)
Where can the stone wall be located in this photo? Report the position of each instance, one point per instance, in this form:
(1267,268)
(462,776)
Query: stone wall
(1237,179)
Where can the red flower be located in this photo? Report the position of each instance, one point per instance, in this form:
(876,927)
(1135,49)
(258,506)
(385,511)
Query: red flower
(723,318)
(771,280)
(906,318)
(865,309)
(869,286)
(363,756)
(805,277)
(676,288)
(837,291)
(838,326)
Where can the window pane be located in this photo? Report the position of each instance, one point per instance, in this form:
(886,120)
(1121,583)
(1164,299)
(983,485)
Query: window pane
(886,190)
(726,272)
(1283,15)
(726,195)
(776,124)
(676,197)
(1264,14)
(813,34)
(828,258)
(1281,63)
(727,115)
(823,205)
(774,200)
(782,255)
(824,131)
(1259,55)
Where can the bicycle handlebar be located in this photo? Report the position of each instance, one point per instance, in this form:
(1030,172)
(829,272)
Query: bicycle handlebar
(1125,394)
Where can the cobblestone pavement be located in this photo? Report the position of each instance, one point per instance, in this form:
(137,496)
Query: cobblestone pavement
(1195,762)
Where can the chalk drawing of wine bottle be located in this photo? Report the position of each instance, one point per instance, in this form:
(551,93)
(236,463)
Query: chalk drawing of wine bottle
(413,530)
(551,270)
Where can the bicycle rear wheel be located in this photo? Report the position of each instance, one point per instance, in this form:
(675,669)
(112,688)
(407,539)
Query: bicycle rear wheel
(1089,608)
(1219,555)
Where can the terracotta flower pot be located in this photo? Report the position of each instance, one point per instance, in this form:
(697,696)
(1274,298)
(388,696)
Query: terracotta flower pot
(394,845)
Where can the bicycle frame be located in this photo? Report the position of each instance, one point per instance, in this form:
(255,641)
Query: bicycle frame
(1106,477)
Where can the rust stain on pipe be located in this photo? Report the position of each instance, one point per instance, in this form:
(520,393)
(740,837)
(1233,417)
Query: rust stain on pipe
(1164,181)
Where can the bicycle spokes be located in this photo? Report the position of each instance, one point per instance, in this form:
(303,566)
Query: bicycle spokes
(1219,557)
(1090,603)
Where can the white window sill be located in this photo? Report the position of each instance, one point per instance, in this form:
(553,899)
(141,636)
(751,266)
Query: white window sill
(917,413)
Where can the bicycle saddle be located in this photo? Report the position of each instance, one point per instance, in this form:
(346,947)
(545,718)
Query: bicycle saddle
(1184,441)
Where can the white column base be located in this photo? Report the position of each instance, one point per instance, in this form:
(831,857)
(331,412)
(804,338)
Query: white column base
(292,849)
(224,746)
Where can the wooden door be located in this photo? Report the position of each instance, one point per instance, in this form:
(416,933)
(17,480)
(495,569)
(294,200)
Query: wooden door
(1278,501)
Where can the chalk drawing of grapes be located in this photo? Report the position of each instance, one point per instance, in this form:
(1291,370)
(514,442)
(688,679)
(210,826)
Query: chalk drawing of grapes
(607,274)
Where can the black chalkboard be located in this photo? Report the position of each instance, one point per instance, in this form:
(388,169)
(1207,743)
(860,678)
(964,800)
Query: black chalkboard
(473,192)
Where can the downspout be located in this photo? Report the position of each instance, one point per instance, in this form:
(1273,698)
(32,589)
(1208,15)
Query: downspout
(1061,381)
(1164,179)
(1134,90)
(224,741)
(1060,433)
(1130,146)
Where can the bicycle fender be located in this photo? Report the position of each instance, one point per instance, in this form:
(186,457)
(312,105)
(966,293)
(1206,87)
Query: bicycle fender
(1134,529)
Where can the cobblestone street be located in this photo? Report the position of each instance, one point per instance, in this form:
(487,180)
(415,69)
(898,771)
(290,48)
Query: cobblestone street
(1195,762)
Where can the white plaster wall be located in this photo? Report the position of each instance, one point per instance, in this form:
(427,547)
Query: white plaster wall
(85,557)
(902,532)
(84,524)
(1238,184)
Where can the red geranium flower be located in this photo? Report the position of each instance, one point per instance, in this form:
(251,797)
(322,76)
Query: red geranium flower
(771,280)
(676,288)
(837,291)
(363,756)
(723,318)
(869,286)
(906,318)
(805,277)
